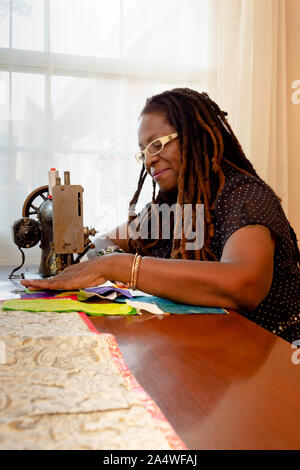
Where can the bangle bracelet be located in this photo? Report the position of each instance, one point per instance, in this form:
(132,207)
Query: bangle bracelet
(136,270)
(132,271)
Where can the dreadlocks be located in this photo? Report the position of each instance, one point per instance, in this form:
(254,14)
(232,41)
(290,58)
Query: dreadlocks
(205,137)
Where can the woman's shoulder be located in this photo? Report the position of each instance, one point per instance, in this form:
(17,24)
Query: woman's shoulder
(241,188)
(248,200)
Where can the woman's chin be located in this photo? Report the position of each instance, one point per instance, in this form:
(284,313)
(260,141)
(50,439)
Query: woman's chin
(167,187)
(169,191)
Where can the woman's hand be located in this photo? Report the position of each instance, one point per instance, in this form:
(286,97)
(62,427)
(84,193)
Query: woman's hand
(77,276)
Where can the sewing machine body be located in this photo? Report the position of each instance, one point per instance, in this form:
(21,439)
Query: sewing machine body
(58,225)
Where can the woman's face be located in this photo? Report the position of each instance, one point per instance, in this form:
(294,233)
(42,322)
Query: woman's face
(163,167)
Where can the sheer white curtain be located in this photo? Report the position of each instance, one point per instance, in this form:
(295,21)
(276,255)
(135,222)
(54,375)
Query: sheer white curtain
(250,82)
(74,75)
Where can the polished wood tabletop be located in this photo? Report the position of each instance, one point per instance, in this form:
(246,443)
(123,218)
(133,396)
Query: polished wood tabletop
(222,381)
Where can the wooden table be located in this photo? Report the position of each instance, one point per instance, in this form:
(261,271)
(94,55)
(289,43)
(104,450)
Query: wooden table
(222,381)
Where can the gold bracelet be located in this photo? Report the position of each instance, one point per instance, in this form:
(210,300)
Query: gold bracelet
(135,271)
(130,284)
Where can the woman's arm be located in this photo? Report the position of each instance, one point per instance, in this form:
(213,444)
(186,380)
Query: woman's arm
(117,236)
(241,280)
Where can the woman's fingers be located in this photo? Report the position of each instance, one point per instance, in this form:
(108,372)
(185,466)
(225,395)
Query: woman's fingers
(64,282)
(59,282)
(49,283)
(120,284)
(79,276)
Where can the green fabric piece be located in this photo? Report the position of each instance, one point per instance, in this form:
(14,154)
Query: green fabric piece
(67,305)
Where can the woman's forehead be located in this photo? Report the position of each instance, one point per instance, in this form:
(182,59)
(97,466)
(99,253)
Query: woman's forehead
(153,124)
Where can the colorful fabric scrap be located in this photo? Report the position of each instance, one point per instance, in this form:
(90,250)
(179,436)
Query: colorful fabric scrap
(79,294)
(169,306)
(106,289)
(104,292)
(66,305)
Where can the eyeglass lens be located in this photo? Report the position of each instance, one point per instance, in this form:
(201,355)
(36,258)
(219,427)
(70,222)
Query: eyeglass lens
(155,147)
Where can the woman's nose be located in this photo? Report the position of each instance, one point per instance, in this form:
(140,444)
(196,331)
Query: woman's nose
(150,159)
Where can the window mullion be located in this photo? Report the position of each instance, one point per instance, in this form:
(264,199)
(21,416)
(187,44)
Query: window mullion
(48,110)
(64,64)
(10,82)
(46,26)
(121,29)
(10,22)
(10,113)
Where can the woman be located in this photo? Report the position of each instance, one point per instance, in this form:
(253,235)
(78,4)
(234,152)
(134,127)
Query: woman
(250,258)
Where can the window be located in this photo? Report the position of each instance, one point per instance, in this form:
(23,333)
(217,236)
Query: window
(74,75)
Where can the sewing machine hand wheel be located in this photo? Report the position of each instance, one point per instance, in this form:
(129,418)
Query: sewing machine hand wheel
(29,207)
(26,231)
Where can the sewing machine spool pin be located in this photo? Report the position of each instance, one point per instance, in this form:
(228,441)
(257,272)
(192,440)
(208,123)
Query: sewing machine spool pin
(67,178)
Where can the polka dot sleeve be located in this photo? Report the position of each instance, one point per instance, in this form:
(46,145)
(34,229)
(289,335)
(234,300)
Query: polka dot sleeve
(245,200)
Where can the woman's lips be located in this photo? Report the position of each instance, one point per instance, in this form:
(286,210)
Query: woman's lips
(159,173)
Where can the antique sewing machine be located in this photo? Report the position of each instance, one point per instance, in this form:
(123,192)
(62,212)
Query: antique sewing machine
(53,216)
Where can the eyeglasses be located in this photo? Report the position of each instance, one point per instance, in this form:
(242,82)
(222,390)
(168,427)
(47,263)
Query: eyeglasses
(155,147)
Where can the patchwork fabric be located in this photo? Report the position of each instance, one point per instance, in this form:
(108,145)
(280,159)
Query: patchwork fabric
(66,305)
(169,306)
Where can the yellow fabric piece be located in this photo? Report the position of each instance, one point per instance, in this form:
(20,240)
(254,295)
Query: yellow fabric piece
(81,295)
(67,305)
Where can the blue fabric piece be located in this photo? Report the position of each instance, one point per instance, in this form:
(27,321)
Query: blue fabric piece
(172,307)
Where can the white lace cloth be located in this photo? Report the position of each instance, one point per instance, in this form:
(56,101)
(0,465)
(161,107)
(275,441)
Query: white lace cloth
(61,388)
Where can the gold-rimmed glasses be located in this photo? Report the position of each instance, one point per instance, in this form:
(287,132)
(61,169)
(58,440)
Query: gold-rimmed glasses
(155,147)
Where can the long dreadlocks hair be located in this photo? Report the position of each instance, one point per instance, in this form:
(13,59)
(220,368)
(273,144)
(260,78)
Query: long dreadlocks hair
(205,138)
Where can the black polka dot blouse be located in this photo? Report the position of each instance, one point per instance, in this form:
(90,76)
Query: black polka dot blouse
(247,200)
